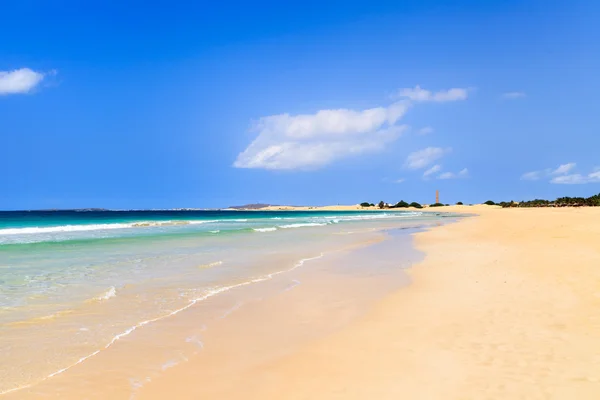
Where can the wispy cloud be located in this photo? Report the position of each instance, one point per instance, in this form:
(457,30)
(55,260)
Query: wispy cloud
(513,95)
(577,179)
(463,173)
(423,158)
(418,94)
(399,180)
(562,175)
(432,170)
(564,169)
(425,130)
(548,172)
(311,141)
(531,176)
(19,81)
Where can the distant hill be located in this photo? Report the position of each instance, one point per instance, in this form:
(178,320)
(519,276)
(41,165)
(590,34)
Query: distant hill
(256,206)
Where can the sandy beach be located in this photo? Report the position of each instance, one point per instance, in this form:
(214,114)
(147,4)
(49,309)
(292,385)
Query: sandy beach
(504,306)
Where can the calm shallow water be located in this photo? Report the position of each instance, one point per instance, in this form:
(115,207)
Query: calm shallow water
(74,283)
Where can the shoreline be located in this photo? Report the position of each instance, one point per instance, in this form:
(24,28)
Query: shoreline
(503,306)
(96,368)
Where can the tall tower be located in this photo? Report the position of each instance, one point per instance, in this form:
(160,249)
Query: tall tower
(437,196)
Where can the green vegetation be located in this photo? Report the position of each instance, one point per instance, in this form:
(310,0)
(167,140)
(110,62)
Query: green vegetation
(593,201)
(401,204)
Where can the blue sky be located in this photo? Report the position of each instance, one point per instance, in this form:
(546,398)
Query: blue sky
(191,104)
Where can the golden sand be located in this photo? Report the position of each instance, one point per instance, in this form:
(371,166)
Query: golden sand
(505,306)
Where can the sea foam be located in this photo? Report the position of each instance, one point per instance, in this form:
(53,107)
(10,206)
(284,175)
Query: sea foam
(96,227)
(301,225)
(265,229)
(111,292)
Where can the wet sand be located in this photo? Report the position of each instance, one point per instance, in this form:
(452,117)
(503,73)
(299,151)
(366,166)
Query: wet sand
(241,329)
(504,306)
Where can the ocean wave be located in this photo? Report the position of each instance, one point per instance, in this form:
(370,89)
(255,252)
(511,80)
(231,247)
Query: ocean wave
(96,227)
(265,229)
(63,228)
(168,223)
(313,221)
(110,293)
(210,265)
(301,225)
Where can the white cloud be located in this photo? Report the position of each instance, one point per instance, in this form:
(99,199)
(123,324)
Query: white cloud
(425,130)
(446,175)
(423,158)
(531,176)
(514,95)
(311,141)
(564,169)
(569,179)
(399,180)
(432,170)
(417,94)
(463,173)
(19,81)
(562,175)
(577,179)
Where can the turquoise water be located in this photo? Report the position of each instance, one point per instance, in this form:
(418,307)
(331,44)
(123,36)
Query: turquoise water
(27,227)
(47,255)
(86,278)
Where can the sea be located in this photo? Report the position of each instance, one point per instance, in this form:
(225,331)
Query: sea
(75,283)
